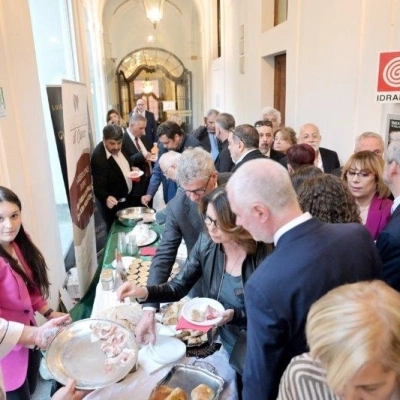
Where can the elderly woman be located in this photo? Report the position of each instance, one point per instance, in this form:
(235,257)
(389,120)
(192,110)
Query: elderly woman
(363,175)
(224,256)
(284,138)
(298,155)
(354,337)
(329,199)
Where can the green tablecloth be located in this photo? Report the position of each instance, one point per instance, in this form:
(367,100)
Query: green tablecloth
(83,309)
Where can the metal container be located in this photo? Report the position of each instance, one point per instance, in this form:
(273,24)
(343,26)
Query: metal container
(107,279)
(132,215)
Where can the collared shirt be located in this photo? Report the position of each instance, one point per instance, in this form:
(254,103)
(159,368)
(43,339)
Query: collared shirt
(268,153)
(142,149)
(396,203)
(290,225)
(244,155)
(318,162)
(123,164)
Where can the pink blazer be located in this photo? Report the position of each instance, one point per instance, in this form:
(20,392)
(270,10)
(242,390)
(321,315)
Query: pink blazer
(378,215)
(18,304)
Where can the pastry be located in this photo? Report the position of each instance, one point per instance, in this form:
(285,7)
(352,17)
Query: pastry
(202,392)
(177,394)
(197,315)
(161,392)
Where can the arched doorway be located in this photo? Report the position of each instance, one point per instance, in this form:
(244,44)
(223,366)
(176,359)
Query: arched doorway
(159,77)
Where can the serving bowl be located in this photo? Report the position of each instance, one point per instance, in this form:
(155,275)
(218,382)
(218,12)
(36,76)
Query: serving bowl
(132,215)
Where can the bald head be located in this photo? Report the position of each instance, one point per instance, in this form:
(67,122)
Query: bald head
(262,196)
(370,141)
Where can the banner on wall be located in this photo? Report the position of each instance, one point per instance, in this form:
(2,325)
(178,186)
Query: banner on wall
(388,88)
(77,150)
(392,125)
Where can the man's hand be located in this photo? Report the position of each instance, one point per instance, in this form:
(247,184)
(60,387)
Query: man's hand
(128,289)
(146,328)
(145,199)
(227,316)
(69,392)
(111,201)
(45,333)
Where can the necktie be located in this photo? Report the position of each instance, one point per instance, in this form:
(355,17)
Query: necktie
(214,146)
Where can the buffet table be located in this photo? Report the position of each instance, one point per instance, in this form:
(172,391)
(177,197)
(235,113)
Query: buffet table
(139,384)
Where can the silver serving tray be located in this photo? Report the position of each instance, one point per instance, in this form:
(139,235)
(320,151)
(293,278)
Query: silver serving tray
(187,377)
(72,353)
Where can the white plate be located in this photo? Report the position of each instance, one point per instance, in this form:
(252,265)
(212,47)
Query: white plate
(166,349)
(151,238)
(127,261)
(135,174)
(201,303)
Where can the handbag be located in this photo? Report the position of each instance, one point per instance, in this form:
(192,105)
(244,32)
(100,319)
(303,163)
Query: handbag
(236,359)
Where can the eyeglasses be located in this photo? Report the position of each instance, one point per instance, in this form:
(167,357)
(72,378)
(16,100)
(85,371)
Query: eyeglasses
(258,124)
(363,174)
(306,136)
(209,221)
(270,119)
(198,192)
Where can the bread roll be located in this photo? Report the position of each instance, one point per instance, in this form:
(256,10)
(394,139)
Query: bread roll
(177,394)
(202,392)
(161,393)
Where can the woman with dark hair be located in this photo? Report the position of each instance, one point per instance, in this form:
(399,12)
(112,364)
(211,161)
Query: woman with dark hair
(24,288)
(302,174)
(363,175)
(114,117)
(298,155)
(327,198)
(224,257)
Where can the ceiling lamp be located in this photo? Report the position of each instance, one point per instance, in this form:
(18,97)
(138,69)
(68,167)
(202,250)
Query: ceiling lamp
(154,10)
(147,86)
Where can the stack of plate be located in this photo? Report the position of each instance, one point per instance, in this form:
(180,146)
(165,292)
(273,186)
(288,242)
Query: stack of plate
(166,350)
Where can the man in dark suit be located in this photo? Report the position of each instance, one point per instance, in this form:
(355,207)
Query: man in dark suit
(243,145)
(151,125)
(137,148)
(223,124)
(310,258)
(205,134)
(110,168)
(388,242)
(171,137)
(197,177)
(266,138)
(325,159)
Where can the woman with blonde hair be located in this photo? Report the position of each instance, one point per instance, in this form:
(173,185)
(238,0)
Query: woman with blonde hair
(114,117)
(363,175)
(354,337)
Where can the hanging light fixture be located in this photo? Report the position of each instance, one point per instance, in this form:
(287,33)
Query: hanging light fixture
(147,86)
(154,10)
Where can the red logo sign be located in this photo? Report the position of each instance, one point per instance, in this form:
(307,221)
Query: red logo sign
(389,72)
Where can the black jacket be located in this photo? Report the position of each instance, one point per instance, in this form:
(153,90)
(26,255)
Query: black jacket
(206,261)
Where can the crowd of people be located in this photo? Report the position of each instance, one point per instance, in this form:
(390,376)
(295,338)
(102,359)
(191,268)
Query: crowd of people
(303,254)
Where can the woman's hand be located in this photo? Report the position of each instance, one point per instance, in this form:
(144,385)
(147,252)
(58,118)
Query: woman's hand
(128,289)
(227,316)
(56,314)
(69,392)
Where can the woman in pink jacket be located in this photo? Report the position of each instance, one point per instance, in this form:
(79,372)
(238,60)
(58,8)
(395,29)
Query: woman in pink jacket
(24,287)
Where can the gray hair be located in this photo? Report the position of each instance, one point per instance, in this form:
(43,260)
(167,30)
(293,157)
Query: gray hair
(270,110)
(135,117)
(248,135)
(366,135)
(225,121)
(262,181)
(194,164)
(212,111)
(393,150)
(169,158)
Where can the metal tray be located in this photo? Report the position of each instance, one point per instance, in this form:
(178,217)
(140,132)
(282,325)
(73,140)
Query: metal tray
(187,377)
(73,353)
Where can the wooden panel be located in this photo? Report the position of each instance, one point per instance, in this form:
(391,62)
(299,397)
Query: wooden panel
(280,85)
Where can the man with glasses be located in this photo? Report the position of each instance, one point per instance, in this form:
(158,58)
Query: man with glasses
(196,176)
(325,159)
(243,145)
(266,138)
(273,115)
(151,125)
